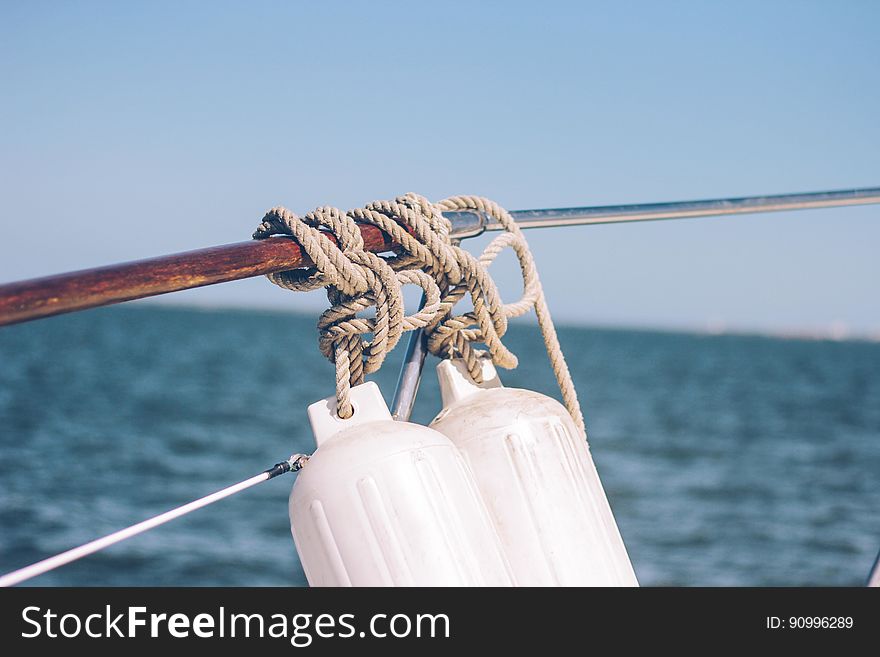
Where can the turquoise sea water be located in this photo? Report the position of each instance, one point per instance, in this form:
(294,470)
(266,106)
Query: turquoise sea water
(728,460)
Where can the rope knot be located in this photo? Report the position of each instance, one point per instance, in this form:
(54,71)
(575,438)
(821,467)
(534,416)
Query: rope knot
(357,280)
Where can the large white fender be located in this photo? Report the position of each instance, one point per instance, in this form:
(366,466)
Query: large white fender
(536,475)
(385,503)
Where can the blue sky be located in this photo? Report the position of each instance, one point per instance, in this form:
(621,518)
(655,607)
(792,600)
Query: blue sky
(130,130)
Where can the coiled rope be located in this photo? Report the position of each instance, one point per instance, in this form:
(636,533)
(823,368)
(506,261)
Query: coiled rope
(357,279)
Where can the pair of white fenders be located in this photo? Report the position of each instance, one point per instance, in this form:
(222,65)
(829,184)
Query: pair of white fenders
(500,490)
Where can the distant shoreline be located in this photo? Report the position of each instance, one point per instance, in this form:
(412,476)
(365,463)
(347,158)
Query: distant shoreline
(833,333)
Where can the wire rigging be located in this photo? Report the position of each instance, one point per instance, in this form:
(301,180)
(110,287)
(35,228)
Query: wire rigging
(292,464)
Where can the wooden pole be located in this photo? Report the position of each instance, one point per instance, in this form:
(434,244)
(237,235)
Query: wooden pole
(89,288)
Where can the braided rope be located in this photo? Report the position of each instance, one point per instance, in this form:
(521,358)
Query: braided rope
(357,279)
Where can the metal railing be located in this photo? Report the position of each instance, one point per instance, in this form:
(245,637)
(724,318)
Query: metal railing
(53,295)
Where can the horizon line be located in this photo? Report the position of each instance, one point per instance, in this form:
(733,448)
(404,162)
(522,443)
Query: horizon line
(835,331)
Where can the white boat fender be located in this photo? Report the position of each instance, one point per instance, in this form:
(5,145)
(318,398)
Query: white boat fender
(537,478)
(386,503)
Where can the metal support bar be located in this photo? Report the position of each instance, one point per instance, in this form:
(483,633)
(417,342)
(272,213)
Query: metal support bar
(410,374)
(874,576)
